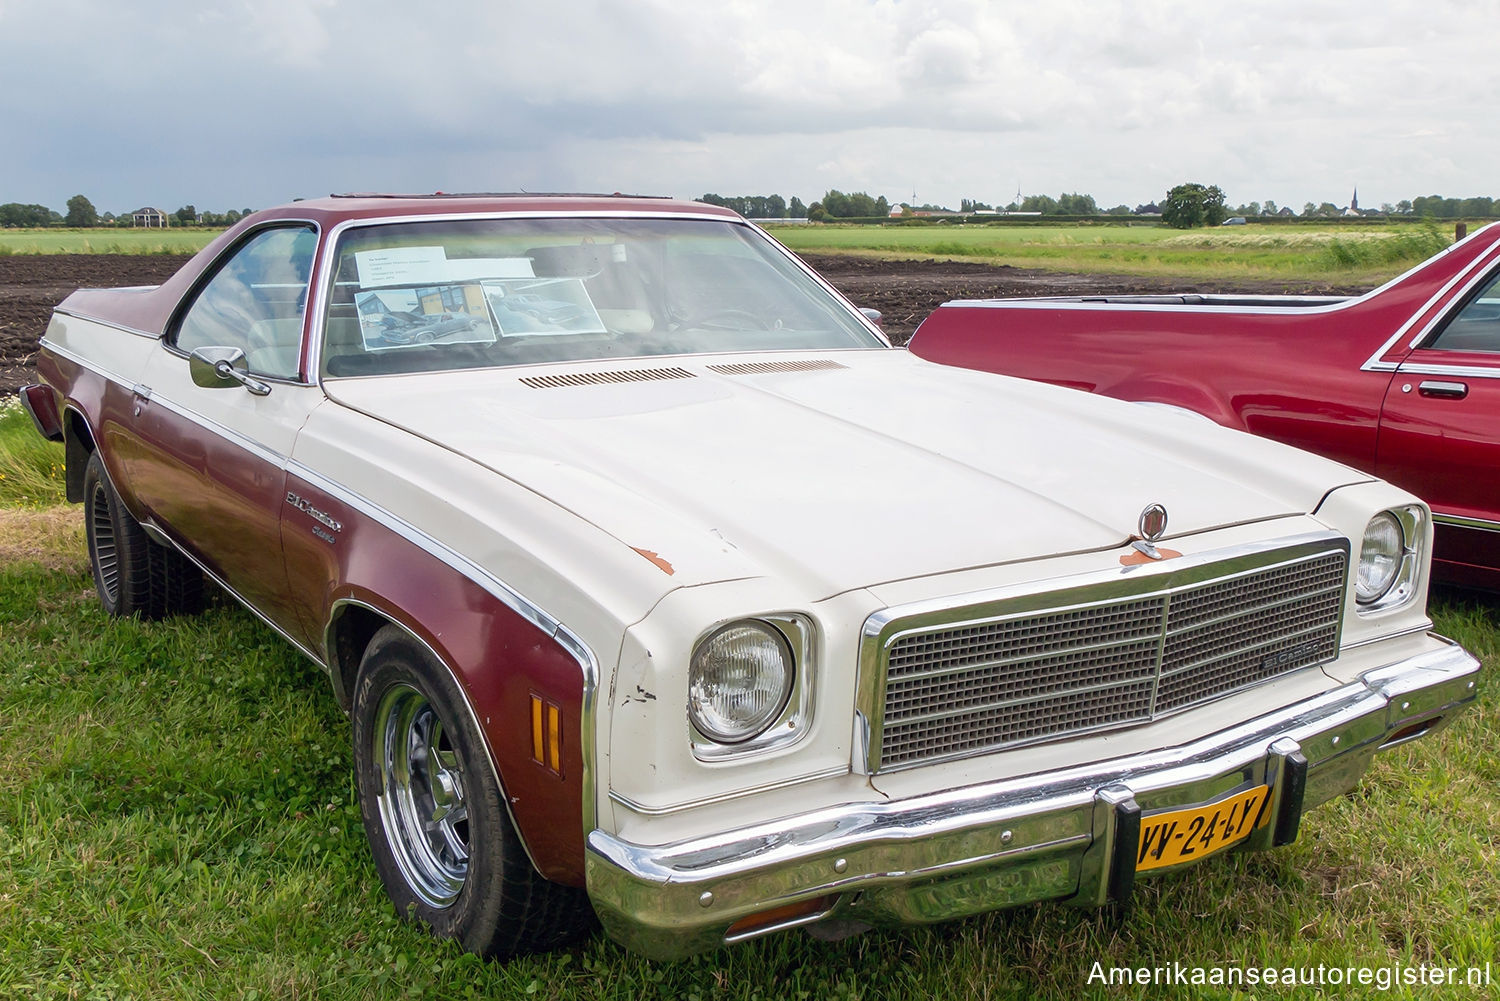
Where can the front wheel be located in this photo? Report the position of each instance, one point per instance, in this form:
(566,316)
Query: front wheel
(443,843)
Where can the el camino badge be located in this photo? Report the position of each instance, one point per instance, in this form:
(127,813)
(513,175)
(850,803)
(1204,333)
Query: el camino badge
(321,517)
(1152,526)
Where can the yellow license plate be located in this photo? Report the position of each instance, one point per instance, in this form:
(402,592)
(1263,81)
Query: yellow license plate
(1198,831)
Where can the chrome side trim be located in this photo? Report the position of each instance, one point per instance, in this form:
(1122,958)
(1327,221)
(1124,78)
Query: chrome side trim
(1461,371)
(83,363)
(489,754)
(255,448)
(1043,302)
(588,728)
(497,588)
(310,655)
(1458,521)
(92,318)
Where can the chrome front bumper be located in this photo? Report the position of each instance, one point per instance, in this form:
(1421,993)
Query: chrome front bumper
(1069,834)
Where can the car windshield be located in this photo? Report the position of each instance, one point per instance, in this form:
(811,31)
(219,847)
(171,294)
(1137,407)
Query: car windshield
(432,295)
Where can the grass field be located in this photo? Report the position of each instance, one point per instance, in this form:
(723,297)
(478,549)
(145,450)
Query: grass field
(1363,255)
(104,241)
(1368,254)
(177,821)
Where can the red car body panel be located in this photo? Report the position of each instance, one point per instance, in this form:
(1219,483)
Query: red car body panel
(1357,380)
(474,633)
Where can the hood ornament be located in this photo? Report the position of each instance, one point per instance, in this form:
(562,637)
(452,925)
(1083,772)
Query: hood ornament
(1152,526)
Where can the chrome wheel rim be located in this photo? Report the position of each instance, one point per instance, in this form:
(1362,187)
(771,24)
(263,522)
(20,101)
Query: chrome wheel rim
(422,796)
(106,548)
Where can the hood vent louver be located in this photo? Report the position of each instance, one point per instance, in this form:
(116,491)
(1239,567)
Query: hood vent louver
(763,367)
(602,378)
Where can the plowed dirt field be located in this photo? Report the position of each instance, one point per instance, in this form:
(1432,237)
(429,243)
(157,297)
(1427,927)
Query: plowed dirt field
(904,291)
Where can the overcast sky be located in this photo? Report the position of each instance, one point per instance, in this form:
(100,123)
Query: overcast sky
(249,103)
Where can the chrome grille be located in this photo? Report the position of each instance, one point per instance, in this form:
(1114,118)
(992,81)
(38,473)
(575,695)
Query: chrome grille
(1086,661)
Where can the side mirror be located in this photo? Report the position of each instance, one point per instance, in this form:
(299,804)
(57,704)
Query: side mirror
(218,368)
(873,315)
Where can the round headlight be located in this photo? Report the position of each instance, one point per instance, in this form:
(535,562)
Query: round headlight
(1379,558)
(739,680)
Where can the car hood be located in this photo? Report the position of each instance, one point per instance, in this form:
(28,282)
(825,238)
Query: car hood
(842,470)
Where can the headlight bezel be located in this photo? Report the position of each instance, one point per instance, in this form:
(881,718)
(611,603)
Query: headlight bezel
(791,721)
(1404,580)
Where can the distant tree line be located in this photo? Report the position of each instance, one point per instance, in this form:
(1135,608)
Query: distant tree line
(759,206)
(82,215)
(1185,205)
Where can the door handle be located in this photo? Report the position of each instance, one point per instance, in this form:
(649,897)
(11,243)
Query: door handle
(1443,390)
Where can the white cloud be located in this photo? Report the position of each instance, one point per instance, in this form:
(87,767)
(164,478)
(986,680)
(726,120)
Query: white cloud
(252,102)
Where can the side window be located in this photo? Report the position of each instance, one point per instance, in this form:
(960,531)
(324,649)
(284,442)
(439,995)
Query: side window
(1476,326)
(255,301)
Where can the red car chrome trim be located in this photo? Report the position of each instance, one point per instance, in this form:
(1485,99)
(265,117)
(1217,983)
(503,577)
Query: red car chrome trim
(1374,364)
(497,588)
(1478,524)
(78,360)
(1466,371)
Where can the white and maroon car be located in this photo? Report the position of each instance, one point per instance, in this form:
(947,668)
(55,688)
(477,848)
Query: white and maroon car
(660,586)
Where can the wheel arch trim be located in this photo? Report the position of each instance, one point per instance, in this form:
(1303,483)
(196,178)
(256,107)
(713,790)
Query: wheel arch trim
(337,671)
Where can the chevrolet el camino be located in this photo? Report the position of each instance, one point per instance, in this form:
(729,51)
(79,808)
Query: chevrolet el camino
(662,588)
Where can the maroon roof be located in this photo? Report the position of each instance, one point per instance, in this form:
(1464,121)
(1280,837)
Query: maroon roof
(335,209)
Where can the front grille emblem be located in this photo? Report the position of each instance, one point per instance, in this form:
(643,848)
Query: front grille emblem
(1152,526)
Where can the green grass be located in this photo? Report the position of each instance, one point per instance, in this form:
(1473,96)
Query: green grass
(31,468)
(177,820)
(104,241)
(1289,253)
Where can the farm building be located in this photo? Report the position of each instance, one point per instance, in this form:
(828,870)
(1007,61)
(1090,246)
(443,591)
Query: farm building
(149,218)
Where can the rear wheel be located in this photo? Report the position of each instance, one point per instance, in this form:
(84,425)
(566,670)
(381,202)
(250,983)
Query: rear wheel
(443,843)
(133,574)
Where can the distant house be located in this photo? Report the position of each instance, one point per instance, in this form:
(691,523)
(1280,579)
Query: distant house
(1150,208)
(149,218)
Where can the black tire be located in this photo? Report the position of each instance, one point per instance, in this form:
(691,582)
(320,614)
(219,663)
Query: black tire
(466,877)
(133,574)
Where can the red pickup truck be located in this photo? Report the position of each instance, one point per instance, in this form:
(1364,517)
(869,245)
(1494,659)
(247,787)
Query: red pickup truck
(1403,382)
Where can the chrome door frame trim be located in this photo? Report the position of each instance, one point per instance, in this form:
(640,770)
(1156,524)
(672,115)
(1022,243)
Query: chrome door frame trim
(1479,264)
